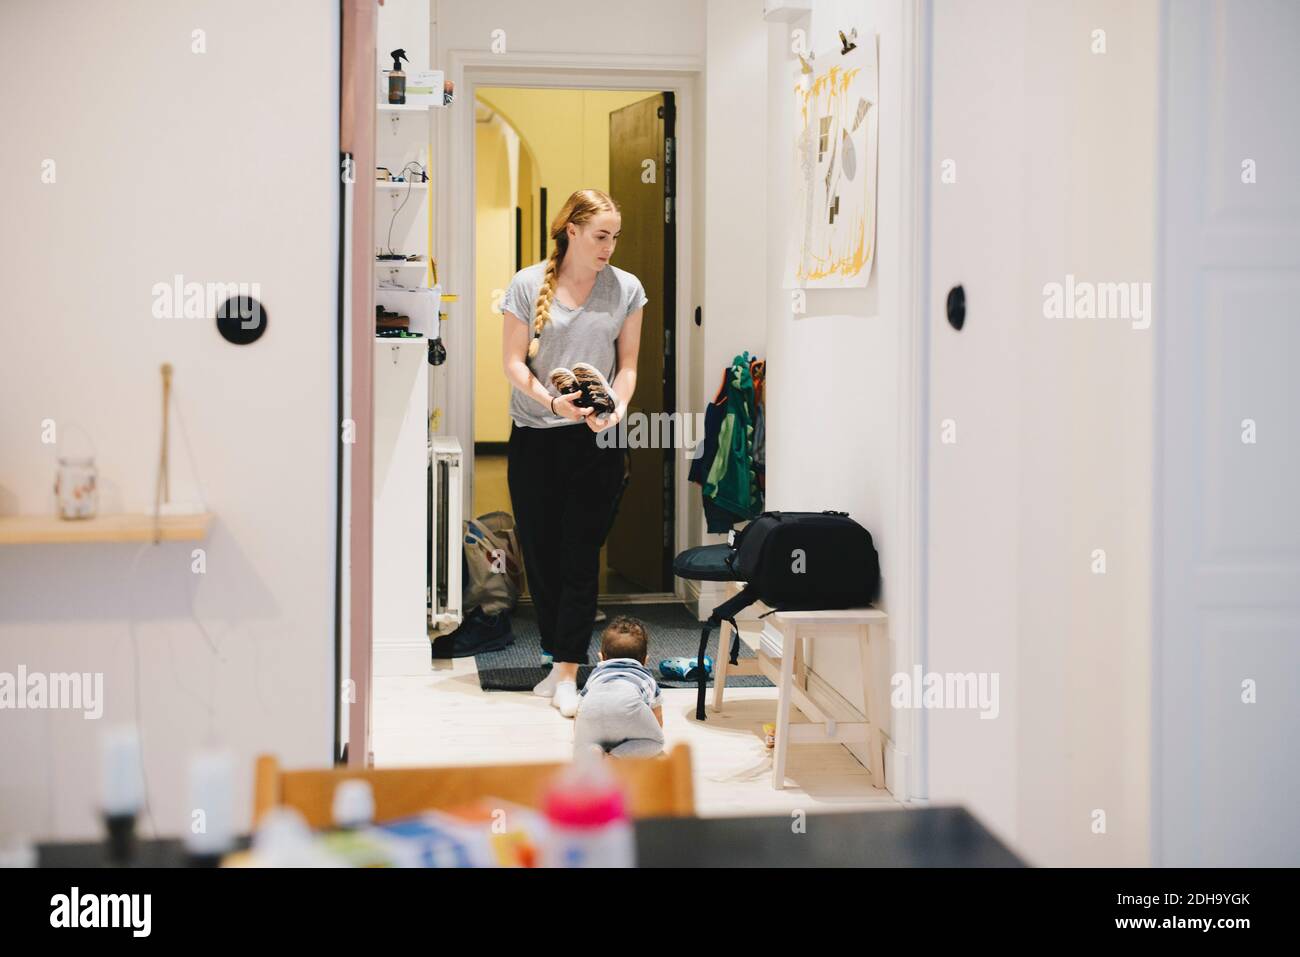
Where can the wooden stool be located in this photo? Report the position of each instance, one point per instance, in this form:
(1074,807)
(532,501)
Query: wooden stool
(823,728)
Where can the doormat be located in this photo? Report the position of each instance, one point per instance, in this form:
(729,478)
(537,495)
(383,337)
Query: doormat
(674,633)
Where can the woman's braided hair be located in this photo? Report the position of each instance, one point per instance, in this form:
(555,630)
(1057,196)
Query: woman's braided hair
(579,210)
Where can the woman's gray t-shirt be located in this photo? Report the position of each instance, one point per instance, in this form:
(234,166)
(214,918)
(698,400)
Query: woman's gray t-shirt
(586,334)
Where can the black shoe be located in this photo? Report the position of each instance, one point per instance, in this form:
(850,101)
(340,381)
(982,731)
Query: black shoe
(595,389)
(565,383)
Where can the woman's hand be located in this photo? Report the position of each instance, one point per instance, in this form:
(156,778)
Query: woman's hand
(600,425)
(565,409)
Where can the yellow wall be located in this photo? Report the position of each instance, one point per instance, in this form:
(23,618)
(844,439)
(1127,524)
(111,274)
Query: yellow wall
(565,147)
(494,249)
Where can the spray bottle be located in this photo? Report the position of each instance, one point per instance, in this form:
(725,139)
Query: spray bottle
(397,79)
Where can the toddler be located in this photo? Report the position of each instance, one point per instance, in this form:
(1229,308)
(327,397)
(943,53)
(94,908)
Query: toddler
(621,709)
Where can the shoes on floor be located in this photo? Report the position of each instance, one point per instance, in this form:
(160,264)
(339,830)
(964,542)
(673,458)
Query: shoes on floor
(600,615)
(548,659)
(546,687)
(594,388)
(685,669)
(566,698)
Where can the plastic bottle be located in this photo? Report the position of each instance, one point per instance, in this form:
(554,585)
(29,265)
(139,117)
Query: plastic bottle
(587,816)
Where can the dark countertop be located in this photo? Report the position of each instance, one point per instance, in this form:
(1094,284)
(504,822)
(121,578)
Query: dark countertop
(893,837)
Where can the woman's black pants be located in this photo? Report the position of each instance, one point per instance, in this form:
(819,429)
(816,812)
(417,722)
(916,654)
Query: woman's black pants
(564,489)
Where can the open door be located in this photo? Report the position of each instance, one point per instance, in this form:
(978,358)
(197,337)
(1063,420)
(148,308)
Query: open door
(1227,551)
(641,178)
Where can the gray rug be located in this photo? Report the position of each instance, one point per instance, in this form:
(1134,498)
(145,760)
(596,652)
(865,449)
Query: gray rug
(674,633)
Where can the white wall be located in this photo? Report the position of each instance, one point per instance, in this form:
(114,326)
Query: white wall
(833,373)
(219,166)
(1054,149)
(611,27)
(403,24)
(730,224)
(735,174)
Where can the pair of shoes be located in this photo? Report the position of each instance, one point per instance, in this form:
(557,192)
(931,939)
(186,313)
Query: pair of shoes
(600,615)
(684,669)
(584,378)
(547,659)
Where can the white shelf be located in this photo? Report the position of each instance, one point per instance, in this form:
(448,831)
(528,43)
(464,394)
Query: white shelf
(398,263)
(52,530)
(385,184)
(404,107)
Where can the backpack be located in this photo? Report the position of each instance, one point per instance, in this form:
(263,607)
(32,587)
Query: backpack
(790,561)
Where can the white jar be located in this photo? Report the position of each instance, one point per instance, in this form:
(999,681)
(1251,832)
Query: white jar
(74,487)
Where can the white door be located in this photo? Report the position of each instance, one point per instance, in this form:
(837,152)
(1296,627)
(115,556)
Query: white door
(1227,576)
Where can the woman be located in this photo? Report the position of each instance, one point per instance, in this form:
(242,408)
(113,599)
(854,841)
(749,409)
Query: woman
(574,308)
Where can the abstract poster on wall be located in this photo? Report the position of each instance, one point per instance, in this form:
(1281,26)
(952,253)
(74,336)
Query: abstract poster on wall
(833,234)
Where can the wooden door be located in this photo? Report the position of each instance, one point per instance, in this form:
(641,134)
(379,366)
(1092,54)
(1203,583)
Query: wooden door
(641,180)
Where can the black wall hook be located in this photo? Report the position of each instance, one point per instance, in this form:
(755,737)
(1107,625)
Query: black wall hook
(241,320)
(957,307)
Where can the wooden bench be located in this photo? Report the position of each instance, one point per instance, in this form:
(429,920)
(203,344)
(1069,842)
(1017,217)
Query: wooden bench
(833,721)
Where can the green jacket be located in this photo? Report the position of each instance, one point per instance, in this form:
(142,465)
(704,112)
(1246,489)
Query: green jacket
(732,482)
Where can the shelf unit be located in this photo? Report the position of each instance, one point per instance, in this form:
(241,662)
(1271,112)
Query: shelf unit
(393,153)
(52,530)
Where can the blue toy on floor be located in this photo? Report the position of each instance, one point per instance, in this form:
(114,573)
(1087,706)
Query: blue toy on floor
(684,669)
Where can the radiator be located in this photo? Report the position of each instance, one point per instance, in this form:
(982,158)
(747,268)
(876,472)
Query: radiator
(446,531)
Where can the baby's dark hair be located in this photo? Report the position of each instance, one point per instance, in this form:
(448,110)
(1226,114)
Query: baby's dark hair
(625,637)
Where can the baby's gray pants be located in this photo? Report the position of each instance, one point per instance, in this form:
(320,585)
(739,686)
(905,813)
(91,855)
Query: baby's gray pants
(616,717)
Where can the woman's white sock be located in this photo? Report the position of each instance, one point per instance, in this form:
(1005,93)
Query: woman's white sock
(566,698)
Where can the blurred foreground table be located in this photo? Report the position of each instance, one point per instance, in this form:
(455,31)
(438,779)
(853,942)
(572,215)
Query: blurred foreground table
(894,837)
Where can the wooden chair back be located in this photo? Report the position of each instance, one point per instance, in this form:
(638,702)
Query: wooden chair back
(656,787)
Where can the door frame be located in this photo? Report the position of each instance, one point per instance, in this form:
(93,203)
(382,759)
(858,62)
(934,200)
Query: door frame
(354,518)
(906,757)
(455,176)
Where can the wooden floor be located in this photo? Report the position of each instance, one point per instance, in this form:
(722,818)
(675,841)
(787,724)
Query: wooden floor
(445,718)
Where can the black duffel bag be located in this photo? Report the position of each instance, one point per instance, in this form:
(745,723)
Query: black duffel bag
(790,561)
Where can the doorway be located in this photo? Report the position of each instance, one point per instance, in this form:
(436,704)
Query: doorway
(533,147)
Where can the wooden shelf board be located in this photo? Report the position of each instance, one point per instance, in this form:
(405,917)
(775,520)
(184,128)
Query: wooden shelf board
(52,530)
